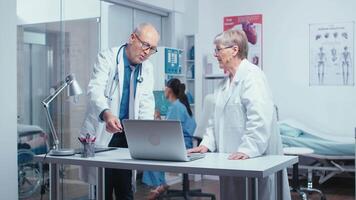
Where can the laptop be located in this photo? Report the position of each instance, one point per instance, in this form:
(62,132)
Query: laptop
(157,140)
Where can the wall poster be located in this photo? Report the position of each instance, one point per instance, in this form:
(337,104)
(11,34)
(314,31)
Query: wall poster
(252,26)
(331,50)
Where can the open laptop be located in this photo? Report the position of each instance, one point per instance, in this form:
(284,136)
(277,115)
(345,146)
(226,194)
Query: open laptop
(157,140)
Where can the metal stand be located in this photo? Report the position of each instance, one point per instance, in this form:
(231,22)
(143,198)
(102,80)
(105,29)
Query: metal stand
(302,191)
(186,192)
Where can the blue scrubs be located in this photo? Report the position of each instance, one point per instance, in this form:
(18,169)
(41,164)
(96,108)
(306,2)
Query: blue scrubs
(177,111)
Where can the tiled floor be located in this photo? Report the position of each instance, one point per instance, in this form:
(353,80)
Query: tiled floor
(335,189)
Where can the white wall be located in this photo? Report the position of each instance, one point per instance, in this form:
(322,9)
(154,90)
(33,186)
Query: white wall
(286,56)
(8,91)
(43,11)
(171,36)
(161,5)
(176,9)
(190,17)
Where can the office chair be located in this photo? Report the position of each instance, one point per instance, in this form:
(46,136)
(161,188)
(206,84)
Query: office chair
(186,192)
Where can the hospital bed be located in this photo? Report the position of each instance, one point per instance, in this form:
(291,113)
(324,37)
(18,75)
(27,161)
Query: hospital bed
(332,154)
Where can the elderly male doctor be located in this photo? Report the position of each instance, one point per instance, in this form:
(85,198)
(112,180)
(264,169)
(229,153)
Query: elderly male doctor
(244,119)
(121,88)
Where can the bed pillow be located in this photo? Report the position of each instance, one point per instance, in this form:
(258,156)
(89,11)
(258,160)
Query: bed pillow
(289,131)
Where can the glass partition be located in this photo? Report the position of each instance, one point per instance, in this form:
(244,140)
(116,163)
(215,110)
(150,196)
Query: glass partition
(54,39)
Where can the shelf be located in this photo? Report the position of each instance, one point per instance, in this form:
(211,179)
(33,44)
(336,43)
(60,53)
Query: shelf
(176,75)
(215,76)
(188,64)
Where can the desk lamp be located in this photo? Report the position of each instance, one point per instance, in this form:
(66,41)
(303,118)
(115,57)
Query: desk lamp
(73,90)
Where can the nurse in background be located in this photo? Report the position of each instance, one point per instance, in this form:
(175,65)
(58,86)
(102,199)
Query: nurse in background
(178,110)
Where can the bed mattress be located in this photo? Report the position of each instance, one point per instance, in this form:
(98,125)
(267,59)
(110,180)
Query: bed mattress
(295,134)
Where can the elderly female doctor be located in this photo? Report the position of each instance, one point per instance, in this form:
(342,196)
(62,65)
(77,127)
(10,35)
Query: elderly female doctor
(244,121)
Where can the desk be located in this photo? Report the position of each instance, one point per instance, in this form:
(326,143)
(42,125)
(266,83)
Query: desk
(212,164)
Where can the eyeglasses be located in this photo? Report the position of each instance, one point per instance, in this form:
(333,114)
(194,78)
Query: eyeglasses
(217,50)
(145,46)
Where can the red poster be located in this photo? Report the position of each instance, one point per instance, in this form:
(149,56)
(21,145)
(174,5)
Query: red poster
(252,26)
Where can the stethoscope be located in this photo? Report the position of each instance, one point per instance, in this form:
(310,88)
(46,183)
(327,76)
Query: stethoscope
(114,82)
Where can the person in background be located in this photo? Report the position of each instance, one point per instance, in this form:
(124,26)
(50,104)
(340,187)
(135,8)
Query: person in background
(179,110)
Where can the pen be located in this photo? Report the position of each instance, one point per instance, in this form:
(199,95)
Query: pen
(87,138)
(80,140)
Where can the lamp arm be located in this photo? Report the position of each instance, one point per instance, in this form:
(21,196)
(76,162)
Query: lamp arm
(51,126)
(50,98)
(46,103)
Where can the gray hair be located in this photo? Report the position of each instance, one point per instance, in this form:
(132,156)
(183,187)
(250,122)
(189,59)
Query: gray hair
(233,38)
(138,30)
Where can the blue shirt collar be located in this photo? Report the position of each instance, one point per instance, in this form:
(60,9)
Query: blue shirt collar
(126,60)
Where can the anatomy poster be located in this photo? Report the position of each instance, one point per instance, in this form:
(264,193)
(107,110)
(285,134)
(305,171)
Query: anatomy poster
(252,26)
(331,54)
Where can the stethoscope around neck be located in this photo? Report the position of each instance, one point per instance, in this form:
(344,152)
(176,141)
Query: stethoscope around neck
(139,77)
(114,82)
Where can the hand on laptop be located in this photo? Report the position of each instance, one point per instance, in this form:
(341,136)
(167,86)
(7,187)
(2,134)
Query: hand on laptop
(112,123)
(238,156)
(199,149)
(157,115)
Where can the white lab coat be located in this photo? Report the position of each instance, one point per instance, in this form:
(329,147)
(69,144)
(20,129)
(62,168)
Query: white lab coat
(99,85)
(207,112)
(244,121)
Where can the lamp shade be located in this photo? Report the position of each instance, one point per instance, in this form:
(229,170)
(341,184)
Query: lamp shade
(73,86)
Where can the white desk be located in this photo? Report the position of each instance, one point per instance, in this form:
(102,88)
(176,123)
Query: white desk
(212,164)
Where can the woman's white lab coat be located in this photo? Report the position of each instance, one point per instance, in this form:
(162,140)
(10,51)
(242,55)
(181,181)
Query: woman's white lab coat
(101,98)
(244,121)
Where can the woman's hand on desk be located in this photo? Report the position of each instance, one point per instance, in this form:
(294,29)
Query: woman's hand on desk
(112,123)
(238,156)
(199,149)
(157,115)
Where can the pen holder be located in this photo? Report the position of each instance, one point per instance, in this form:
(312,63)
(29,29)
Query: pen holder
(88,150)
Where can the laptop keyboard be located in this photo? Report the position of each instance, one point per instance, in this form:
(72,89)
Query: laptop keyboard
(195,156)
